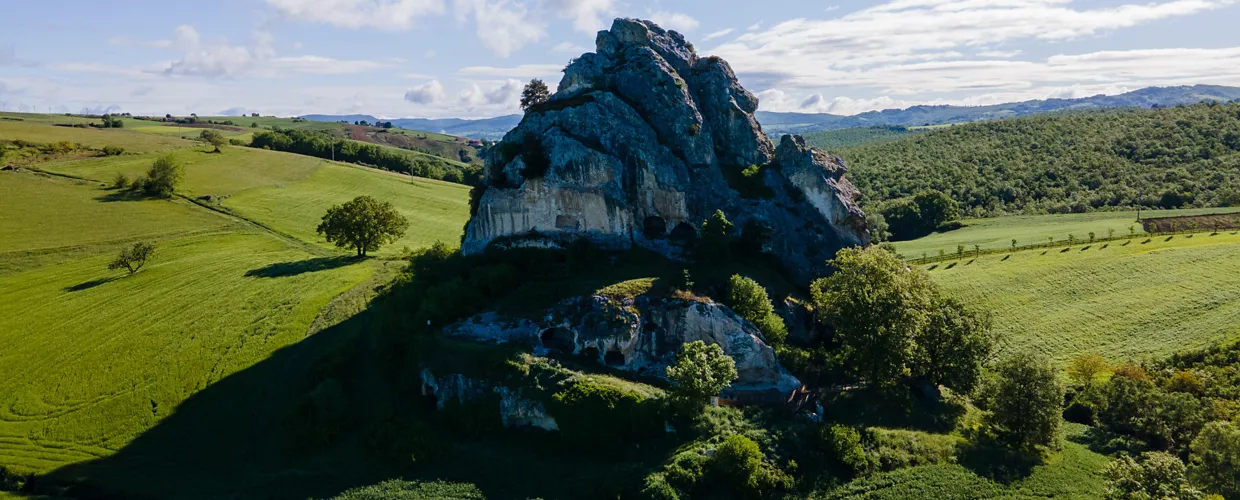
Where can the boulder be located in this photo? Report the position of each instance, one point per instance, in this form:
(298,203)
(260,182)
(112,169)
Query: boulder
(643,139)
(642,336)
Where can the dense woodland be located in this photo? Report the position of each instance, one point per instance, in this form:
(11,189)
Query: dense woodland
(1186,156)
(321,145)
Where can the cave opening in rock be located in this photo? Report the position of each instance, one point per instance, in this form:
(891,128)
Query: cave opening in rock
(683,232)
(614,358)
(557,339)
(429,400)
(654,227)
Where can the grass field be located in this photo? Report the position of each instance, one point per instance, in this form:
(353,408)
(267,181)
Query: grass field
(93,358)
(1123,300)
(998,232)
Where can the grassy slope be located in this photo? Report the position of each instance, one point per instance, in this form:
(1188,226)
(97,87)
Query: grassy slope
(998,232)
(101,358)
(1072,474)
(1119,300)
(133,141)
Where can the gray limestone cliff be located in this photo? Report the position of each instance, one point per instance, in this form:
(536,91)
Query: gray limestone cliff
(643,141)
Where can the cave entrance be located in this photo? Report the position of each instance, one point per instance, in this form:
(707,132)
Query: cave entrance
(614,358)
(654,227)
(683,233)
(558,339)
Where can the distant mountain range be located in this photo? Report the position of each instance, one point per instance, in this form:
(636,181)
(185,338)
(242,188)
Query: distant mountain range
(776,124)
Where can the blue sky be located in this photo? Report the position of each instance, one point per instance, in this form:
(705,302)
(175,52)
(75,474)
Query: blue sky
(469,58)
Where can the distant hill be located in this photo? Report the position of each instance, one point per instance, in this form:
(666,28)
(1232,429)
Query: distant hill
(831,140)
(486,128)
(800,123)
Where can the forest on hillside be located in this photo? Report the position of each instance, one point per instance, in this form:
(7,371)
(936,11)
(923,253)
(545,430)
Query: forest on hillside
(1186,156)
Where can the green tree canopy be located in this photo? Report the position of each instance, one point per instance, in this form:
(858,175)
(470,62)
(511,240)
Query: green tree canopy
(363,224)
(701,371)
(1025,402)
(162,178)
(535,93)
(213,138)
(1215,459)
(1155,475)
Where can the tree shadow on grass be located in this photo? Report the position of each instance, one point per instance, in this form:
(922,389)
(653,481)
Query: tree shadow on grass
(901,407)
(953,264)
(1086,248)
(1105,442)
(997,462)
(1006,257)
(86,285)
(1066,250)
(286,269)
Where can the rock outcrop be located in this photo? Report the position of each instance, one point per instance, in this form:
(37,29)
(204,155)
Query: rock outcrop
(643,141)
(643,335)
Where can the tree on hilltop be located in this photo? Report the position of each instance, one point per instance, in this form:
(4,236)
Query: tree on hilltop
(214,138)
(363,224)
(535,93)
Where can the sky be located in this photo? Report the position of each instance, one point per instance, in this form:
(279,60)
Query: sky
(470,58)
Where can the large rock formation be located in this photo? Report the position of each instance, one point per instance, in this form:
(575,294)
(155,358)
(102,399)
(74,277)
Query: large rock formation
(643,335)
(641,143)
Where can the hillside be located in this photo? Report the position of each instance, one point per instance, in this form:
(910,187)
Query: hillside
(486,128)
(1065,162)
(802,123)
(834,140)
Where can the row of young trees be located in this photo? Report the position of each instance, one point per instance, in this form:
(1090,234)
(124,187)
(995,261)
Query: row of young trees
(1064,163)
(324,146)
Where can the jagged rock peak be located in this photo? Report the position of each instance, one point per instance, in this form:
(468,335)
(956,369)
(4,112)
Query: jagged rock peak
(641,142)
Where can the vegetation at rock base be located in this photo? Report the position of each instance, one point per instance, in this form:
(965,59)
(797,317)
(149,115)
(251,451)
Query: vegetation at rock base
(1184,156)
(701,371)
(363,224)
(749,299)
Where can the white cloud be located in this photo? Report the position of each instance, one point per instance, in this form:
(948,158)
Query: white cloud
(522,71)
(755,26)
(506,93)
(569,47)
(221,59)
(430,93)
(587,15)
(674,20)
(718,34)
(999,54)
(354,14)
(503,26)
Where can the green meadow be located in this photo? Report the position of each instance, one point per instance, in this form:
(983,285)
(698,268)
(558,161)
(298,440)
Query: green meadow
(94,358)
(997,233)
(1124,299)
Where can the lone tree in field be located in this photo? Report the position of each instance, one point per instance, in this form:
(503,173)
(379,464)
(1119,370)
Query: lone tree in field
(161,180)
(1026,403)
(133,258)
(214,138)
(535,93)
(701,371)
(363,224)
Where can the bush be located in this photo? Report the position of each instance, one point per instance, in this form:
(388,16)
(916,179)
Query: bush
(715,244)
(120,181)
(162,178)
(1215,459)
(739,463)
(113,151)
(601,416)
(749,300)
(1154,475)
(843,447)
(897,449)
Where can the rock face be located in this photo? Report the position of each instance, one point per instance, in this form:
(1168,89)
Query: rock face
(643,336)
(642,142)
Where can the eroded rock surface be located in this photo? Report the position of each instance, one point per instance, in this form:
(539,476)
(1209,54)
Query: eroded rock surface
(636,148)
(643,335)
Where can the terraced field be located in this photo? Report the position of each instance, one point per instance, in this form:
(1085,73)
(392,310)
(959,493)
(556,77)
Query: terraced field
(1123,300)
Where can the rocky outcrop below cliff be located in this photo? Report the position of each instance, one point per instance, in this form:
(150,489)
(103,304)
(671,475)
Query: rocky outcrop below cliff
(642,336)
(642,142)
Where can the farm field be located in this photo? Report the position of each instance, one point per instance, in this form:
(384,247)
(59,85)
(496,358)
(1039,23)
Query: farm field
(132,141)
(1123,300)
(998,232)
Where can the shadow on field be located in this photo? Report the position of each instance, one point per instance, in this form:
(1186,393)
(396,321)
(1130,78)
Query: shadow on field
(86,285)
(286,269)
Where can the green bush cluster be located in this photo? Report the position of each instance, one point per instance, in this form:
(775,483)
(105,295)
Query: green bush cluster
(737,469)
(320,145)
(749,300)
(604,415)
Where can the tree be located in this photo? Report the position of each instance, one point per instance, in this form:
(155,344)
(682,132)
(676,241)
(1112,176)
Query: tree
(935,208)
(214,138)
(133,258)
(535,93)
(1025,403)
(701,371)
(363,224)
(873,302)
(952,346)
(1155,475)
(162,178)
(1215,459)
(716,241)
(1085,369)
(1013,244)
(749,300)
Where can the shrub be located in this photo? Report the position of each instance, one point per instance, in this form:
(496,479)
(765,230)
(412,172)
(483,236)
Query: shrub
(120,181)
(656,487)
(1154,475)
(162,178)
(715,243)
(113,151)
(701,371)
(133,258)
(843,447)
(749,300)
(897,449)
(600,415)
(739,462)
